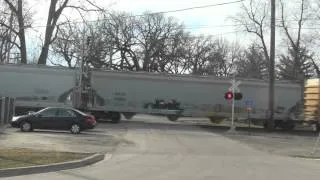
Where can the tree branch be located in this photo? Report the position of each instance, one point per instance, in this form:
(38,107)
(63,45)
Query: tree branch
(60,9)
(81,8)
(94,5)
(56,64)
(11,6)
(56,35)
(10,28)
(285,26)
(300,24)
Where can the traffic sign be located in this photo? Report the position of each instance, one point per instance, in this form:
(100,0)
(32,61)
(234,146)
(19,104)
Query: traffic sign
(235,86)
(249,104)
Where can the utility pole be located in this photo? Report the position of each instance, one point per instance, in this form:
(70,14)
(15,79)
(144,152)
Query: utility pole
(271,66)
(82,51)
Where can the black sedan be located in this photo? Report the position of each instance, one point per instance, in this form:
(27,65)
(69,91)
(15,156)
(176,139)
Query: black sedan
(55,118)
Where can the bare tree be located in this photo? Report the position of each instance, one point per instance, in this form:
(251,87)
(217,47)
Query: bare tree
(67,44)
(146,43)
(6,37)
(252,63)
(199,51)
(100,47)
(21,16)
(174,54)
(152,43)
(253,19)
(154,31)
(224,57)
(120,31)
(56,8)
(298,63)
(296,67)
(108,42)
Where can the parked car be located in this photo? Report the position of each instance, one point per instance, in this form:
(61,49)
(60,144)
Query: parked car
(55,118)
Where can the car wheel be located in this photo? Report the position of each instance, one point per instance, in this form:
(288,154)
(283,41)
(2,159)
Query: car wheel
(173,117)
(75,129)
(128,115)
(26,126)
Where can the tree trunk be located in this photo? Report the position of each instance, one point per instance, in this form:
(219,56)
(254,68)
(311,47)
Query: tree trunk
(44,54)
(45,49)
(23,49)
(53,16)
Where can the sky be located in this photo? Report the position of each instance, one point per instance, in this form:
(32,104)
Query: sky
(204,20)
(213,21)
(209,21)
(211,16)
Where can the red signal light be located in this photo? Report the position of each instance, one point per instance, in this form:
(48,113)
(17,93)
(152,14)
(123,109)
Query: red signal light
(228,95)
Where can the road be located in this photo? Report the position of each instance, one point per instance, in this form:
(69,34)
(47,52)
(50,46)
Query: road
(166,150)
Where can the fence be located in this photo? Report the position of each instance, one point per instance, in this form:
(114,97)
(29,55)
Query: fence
(7,106)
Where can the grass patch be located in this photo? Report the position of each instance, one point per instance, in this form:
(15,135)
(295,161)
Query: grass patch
(11,158)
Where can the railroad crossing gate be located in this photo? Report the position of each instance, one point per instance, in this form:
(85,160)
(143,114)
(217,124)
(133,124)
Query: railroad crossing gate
(312,100)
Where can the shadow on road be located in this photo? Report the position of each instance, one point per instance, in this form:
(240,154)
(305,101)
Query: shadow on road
(259,131)
(182,126)
(87,133)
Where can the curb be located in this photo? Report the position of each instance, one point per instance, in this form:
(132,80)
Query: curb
(51,167)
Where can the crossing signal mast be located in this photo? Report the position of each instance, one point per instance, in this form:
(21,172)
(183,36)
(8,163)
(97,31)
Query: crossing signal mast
(233,94)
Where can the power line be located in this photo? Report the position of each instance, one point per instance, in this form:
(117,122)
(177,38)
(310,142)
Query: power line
(196,7)
(310,18)
(169,11)
(191,27)
(203,26)
(153,13)
(208,26)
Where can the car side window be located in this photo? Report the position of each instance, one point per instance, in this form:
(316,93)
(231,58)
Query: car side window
(66,113)
(49,113)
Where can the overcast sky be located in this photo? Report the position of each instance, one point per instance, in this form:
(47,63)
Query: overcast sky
(204,20)
(211,20)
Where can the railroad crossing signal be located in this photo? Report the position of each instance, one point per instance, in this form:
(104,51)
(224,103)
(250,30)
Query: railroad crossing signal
(234,94)
(229,95)
(237,96)
(234,91)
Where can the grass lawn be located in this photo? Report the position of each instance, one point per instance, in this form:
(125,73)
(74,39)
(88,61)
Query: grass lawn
(11,158)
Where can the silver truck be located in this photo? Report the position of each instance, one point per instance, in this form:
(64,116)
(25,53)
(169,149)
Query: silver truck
(106,94)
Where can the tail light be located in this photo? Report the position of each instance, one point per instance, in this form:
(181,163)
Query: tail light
(91,120)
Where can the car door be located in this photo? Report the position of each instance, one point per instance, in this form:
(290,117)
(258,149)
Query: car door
(65,118)
(46,119)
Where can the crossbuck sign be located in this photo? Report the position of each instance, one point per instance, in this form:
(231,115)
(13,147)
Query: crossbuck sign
(234,86)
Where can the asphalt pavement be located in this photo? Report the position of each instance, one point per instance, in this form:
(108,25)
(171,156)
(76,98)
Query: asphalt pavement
(153,148)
